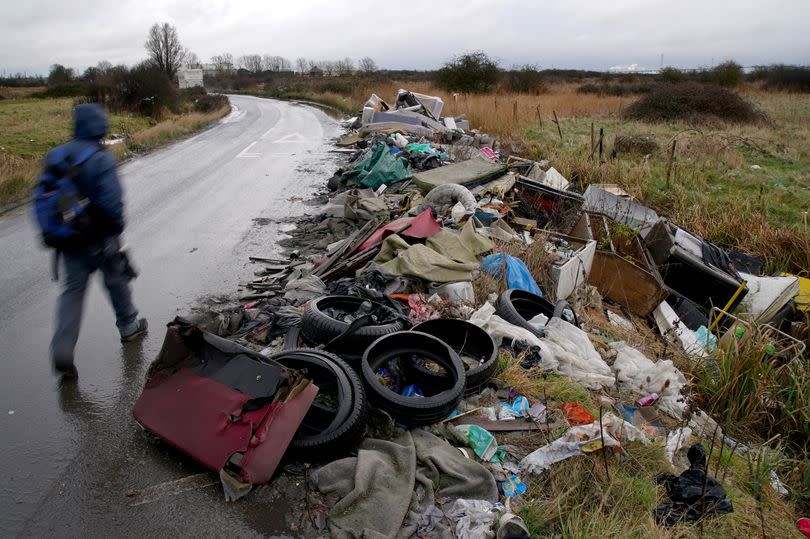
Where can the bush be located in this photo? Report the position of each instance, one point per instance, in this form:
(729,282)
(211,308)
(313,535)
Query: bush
(727,74)
(525,80)
(210,103)
(671,74)
(66,89)
(473,72)
(692,102)
(148,91)
(195,92)
(784,77)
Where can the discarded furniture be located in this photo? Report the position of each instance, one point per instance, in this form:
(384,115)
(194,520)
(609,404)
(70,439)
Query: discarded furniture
(622,269)
(227,407)
(694,267)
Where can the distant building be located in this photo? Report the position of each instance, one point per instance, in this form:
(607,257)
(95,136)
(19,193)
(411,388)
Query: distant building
(189,78)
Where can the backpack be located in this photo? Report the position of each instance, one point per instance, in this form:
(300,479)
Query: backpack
(60,208)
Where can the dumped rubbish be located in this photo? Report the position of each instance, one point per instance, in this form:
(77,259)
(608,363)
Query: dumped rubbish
(197,380)
(474,346)
(693,495)
(373,344)
(394,352)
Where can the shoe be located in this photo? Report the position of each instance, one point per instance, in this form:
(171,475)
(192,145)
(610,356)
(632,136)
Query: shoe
(139,330)
(65,369)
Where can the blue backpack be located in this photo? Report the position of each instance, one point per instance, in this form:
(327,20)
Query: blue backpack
(60,208)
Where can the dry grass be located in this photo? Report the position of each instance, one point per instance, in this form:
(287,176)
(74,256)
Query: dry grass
(31,127)
(175,127)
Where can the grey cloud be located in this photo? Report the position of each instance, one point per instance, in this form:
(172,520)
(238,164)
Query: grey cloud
(418,34)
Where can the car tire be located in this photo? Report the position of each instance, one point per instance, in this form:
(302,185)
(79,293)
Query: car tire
(348,422)
(518,307)
(318,328)
(464,338)
(403,346)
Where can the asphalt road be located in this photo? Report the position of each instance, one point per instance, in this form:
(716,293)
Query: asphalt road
(69,455)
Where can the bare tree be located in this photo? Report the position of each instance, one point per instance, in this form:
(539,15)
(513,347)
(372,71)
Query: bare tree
(343,67)
(367,65)
(223,63)
(192,61)
(251,62)
(276,63)
(301,64)
(164,48)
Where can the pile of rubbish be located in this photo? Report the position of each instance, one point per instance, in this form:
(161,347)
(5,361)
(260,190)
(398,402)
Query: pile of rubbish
(371,349)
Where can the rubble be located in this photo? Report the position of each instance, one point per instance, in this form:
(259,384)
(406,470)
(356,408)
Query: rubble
(436,254)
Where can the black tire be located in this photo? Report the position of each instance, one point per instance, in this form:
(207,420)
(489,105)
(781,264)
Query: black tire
(292,339)
(319,328)
(464,338)
(518,307)
(347,422)
(403,346)
(563,310)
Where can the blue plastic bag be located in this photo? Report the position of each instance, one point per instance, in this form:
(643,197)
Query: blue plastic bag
(517,274)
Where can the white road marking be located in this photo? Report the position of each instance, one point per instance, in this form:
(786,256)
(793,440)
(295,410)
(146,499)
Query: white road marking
(246,151)
(293,138)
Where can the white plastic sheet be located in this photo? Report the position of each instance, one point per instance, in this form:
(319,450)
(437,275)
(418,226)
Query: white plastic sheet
(614,430)
(677,440)
(636,372)
(575,356)
(473,519)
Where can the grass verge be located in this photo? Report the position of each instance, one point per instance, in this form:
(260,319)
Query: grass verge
(31,127)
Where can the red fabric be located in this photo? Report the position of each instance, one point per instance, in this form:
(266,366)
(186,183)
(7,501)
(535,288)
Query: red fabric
(278,429)
(200,417)
(192,414)
(804,526)
(576,415)
(422,226)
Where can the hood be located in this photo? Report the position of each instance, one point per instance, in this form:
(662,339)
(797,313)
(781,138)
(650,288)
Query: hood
(89,121)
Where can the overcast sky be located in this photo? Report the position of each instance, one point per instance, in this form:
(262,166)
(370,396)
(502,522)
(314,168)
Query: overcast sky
(414,34)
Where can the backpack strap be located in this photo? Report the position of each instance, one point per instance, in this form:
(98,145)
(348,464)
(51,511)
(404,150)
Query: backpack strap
(76,163)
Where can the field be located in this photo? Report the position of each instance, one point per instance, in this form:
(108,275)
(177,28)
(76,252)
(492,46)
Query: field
(29,127)
(742,186)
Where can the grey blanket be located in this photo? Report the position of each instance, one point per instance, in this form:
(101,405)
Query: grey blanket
(391,488)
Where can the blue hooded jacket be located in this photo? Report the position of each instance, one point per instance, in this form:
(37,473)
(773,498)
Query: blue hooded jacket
(97,178)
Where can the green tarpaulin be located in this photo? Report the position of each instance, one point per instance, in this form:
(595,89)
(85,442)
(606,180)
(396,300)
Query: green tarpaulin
(380,168)
(448,256)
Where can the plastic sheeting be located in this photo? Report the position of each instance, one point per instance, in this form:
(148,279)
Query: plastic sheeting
(380,168)
(636,372)
(500,329)
(423,225)
(517,274)
(571,349)
(613,430)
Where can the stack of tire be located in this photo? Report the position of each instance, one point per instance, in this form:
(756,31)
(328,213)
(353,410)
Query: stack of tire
(336,421)
(429,356)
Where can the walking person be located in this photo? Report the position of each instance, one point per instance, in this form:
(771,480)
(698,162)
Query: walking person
(79,208)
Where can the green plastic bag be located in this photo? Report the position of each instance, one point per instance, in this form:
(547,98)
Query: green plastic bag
(481,440)
(380,168)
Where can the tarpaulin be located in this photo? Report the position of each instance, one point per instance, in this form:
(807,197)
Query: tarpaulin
(517,274)
(380,168)
(421,261)
(423,225)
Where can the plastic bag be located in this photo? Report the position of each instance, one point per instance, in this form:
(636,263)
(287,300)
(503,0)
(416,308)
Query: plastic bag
(480,439)
(517,274)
